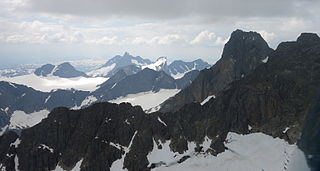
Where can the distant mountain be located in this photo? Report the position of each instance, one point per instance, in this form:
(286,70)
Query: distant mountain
(159,65)
(118,62)
(15,72)
(135,64)
(64,70)
(241,54)
(122,84)
(15,97)
(178,68)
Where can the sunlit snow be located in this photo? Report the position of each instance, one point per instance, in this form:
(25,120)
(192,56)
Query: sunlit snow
(47,84)
(252,152)
(20,119)
(148,99)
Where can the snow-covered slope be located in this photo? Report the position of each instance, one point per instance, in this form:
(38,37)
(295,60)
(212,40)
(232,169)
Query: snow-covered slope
(160,64)
(50,83)
(21,120)
(117,62)
(252,152)
(178,68)
(147,100)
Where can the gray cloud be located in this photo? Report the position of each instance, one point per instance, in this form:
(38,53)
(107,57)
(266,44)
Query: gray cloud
(172,9)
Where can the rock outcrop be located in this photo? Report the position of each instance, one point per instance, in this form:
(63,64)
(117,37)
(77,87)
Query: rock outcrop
(241,54)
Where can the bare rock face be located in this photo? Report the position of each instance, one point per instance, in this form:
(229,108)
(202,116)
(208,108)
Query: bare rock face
(274,99)
(241,55)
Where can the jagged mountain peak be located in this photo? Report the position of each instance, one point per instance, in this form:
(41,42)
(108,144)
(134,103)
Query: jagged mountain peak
(308,38)
(160,64)
(241,54)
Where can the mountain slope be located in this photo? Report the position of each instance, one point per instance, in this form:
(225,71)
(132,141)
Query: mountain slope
(122,84)
(274,99)
(15,97)
(117,62)
(241,54)
(178,68)
(64,70)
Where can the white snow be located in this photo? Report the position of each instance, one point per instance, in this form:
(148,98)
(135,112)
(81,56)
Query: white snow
(47,84)
(265,60)
(3,130)
(45,147)
(178,75)
(101,72)
(298,161)
(12,85)
(47,99)
(157,66)
(20,119)
(6,109)
(165,157)
(159,119)
(76,167)
(118,164)
(148,99)
(16,163)
(16,143)
(88,100)
(252,152)
(285,130)
(207,99)
(137,63)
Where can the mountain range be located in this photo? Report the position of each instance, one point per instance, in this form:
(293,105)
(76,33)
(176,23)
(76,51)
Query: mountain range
(268,96)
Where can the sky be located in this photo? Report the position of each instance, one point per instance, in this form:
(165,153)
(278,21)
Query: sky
(44,31)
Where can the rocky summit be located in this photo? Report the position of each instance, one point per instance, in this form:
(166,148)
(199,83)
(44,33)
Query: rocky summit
(273,98)
(241,54)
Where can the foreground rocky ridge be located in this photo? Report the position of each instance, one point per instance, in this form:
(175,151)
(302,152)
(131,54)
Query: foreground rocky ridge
(274,99)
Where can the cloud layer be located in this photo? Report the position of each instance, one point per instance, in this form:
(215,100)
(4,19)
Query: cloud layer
(185,29)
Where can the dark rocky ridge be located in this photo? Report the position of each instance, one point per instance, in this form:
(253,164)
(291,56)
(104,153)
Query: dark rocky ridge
(274,96)
(242,54)
(122,84)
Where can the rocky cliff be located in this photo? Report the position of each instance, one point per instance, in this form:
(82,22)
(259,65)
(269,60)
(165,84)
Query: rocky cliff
(241,54)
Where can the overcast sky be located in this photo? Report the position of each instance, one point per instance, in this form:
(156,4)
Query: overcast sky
(41,31)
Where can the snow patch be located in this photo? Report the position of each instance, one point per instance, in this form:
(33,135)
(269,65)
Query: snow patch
(16,143)
(16,163)
(285,130)
(265,60)
(47,84)
(47,99)
(45,147)
(21,120)
(159,119)
(118,164)
(101,72)
(88,100)
(207,99)
(147,100)
(250,152)
(76,168)
(158,65)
